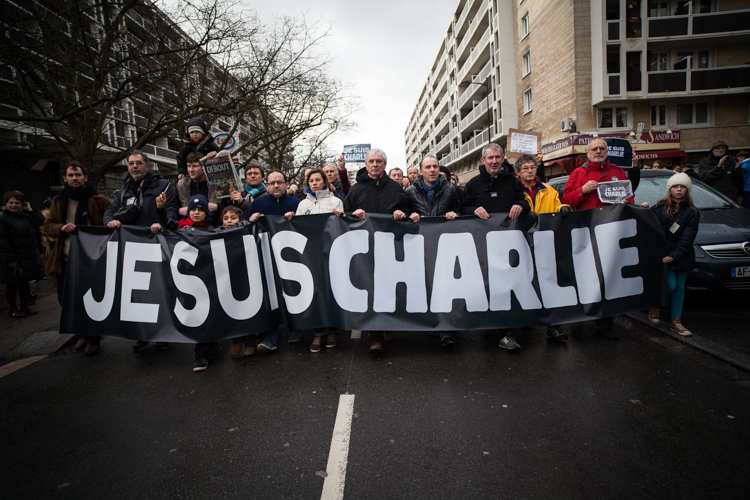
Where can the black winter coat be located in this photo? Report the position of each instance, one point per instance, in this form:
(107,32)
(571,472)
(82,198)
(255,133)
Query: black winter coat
(377,196)
(19,243)
(725,179)
(447,199)
(204,147)
(680,242)
(496,194)
(153,185)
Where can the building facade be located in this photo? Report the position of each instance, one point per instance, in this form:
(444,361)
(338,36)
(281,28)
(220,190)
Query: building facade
(670,75)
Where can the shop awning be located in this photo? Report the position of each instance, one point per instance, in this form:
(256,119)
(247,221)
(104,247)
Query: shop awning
(665,153)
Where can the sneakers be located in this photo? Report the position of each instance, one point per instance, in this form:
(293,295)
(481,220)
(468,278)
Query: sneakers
(235,350)
(249,351)
(92,349)
(556,332)
(17,314)
(160,346)
(295,336)
(30,312)
(509,343)
(266,346)
(80,345)
(317,343)
(607,333)
(676,326)
(140,345)
(331,340)
(653,315)
(200,365)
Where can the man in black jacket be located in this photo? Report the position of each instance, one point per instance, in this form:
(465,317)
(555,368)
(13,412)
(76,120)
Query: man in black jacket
(375,193)
(135,205)
(432,195)
(721,171)
(495,190)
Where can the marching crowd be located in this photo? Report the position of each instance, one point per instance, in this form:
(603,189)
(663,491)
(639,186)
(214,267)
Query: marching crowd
(147,199)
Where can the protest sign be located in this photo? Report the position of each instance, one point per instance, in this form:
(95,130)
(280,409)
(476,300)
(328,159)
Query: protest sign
(614,191)
(523,142)
(371,274)
(620,152)
(355,153)
(221,174)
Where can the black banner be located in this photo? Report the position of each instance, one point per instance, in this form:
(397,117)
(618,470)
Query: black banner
(373,274)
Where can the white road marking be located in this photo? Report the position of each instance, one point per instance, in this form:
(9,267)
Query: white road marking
(17,365)
(333,486)
(356,334)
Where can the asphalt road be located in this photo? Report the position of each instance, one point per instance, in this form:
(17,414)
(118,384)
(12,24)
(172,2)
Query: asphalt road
(642,417)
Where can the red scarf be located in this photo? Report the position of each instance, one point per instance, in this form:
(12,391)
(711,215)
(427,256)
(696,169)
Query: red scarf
(189,222)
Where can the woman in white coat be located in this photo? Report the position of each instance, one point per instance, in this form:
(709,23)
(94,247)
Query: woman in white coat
(319,200)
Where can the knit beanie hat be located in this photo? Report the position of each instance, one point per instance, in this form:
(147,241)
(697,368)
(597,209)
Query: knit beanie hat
(196,124)
(718,144)
(680,179)
(199,201)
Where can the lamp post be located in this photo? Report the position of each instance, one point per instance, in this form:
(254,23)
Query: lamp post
(487,88)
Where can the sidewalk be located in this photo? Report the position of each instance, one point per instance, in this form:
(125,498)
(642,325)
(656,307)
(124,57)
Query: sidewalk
(38,334)
(731,347)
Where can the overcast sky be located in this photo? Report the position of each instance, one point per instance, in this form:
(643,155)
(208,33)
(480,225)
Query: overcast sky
(384,49)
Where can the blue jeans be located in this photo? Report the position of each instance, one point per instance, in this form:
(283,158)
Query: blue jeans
(271,337)
(676,283)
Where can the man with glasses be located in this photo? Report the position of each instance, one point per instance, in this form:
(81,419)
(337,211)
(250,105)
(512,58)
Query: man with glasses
(542,199)
(135,205)
(278,203)
(581,194)
(495,190)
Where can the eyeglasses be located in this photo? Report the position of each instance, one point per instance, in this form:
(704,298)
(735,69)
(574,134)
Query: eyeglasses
(524,169)
(276,183)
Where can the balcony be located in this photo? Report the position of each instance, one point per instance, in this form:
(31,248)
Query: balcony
(699,79)
(700,24)
(474,114)
(471,90)
(464,15)
(481,15)
(478,49)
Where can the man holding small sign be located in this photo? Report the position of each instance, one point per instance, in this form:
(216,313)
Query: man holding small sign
(581,193)
(581,190)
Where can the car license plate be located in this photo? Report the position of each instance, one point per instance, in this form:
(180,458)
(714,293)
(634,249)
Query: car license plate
(741,272)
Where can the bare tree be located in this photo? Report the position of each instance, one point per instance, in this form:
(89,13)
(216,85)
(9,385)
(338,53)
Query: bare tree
(94,79)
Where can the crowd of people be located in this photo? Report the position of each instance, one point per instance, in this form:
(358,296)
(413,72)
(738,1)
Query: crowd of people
(147,199)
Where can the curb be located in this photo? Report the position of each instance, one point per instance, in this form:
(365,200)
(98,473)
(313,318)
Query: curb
(737,359)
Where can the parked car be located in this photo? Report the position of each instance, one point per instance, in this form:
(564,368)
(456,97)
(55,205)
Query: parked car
(722,246)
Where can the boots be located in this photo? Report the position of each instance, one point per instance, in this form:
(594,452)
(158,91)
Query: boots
(653,315)
(676,326)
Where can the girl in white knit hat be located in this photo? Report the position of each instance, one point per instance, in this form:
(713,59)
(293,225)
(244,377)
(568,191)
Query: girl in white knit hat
(679,220)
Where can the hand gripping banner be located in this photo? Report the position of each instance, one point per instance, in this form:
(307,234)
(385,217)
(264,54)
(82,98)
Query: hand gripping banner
(373,274)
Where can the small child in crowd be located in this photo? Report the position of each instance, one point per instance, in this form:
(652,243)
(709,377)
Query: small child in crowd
(198,217)
(231,217)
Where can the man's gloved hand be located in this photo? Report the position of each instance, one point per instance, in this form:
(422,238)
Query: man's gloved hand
(564,211)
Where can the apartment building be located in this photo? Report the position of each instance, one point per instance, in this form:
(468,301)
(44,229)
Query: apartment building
(671,76)
(29,150)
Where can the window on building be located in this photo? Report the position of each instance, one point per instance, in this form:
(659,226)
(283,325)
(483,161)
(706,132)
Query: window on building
(526,63)
(527,101)
(525,28)
(658,115)
(689,113)
(658,9)
(613,69)
(658,61)
(613,10)
(616,117)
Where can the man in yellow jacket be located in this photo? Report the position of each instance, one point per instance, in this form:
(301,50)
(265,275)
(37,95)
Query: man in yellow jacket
(543,199)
